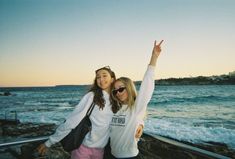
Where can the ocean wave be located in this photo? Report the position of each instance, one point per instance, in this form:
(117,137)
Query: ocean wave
(193,99)
(183,131)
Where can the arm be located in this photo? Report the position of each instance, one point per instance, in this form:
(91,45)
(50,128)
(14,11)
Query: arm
(155,53)
(70,123)
(147,85)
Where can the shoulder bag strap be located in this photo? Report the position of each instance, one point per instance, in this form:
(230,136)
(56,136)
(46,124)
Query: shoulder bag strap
(90,109)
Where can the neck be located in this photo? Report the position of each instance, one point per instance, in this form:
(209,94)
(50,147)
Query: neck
(124,102)
(107,90)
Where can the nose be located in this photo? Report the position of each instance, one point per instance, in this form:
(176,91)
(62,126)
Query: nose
(118,93)
(101,78)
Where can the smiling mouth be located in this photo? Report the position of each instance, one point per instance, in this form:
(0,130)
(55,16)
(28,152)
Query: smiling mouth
(120,97)
(102,84)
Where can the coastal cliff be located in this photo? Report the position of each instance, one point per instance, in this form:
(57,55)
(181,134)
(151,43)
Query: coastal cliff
(228,79)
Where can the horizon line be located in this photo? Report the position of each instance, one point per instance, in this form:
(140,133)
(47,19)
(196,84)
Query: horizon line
(67,85)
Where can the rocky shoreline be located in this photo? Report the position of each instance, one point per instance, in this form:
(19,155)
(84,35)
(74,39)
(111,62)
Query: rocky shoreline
(15,131)
(219,148)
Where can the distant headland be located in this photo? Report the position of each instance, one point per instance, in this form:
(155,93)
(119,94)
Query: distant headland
(225,79)
(228,79)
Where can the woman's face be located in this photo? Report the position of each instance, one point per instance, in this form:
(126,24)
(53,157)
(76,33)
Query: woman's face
(120,92)
(104,80)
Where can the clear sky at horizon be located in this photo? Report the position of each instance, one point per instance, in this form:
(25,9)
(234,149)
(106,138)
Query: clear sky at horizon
(59,42)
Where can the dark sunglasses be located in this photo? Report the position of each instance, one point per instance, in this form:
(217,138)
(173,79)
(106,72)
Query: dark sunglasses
(103,68)
(120,90)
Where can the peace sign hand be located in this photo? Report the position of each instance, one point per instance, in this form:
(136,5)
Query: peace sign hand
(157,48)
(155,53)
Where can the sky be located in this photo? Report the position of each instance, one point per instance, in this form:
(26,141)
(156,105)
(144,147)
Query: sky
(63,42)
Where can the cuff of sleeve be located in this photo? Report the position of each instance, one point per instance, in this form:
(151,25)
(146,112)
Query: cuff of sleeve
(151,67)
(48,143)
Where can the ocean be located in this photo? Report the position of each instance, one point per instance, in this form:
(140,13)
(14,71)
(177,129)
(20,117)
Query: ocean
(191,113)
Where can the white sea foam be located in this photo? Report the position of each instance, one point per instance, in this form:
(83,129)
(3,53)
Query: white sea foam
(56,117)
(183,130)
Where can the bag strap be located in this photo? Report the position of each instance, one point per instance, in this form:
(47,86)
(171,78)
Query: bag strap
(90,109)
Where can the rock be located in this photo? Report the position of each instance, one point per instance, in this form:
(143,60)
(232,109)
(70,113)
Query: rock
(28,129)
(11,131)
(5,94)
(9,122)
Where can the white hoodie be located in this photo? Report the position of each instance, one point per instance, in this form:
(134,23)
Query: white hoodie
(125,122)
(100,120)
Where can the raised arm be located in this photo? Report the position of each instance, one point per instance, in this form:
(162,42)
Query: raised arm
(155,53)
(147,84)
(146,88)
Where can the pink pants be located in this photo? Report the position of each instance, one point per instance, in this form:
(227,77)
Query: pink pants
(84,152)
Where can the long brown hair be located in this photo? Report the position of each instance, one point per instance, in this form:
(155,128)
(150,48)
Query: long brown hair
(98,95)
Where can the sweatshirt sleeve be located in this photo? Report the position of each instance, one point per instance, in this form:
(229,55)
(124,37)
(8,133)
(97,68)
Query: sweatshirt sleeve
(72,121)
(145,92)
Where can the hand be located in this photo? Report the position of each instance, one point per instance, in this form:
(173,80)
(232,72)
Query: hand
(155,53)
(42,149)
(139,131)
(157,48)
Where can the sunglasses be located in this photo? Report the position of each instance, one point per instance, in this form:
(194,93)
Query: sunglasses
(103,68)
(120,90)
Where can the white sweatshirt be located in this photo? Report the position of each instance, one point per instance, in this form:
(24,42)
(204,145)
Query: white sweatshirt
(125,122)
(100,120)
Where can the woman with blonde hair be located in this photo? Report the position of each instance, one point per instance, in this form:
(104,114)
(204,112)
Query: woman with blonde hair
(132,107)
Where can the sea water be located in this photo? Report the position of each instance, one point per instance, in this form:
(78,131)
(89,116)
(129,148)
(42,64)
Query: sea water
(197,114)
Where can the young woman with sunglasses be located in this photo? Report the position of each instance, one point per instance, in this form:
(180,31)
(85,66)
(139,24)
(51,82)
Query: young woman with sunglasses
(132,107)
(95,141)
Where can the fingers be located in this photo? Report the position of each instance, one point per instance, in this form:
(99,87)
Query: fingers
(137,135)
(160,43)
(138,132)
(39,148)
(155,43)
(42,149)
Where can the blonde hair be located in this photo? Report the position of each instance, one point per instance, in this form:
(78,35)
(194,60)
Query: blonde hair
(131,91)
